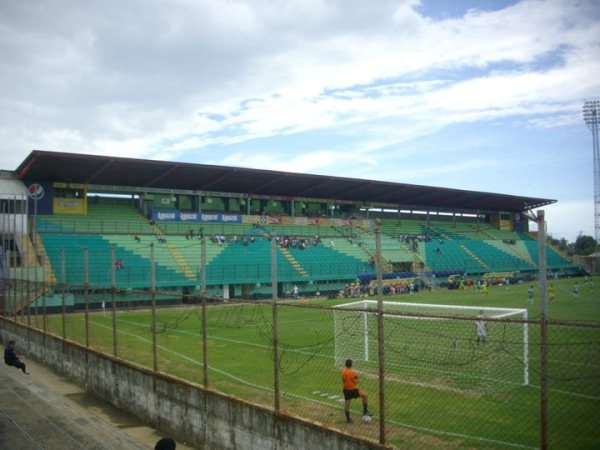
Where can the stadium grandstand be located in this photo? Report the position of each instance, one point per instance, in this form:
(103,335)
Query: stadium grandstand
(74,220)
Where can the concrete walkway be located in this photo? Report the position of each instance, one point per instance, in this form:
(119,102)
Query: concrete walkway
(46,411)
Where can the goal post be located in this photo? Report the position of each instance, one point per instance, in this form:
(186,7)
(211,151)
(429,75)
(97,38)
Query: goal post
(437,344)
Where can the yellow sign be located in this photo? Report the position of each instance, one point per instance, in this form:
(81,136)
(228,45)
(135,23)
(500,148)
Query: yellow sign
(69,206)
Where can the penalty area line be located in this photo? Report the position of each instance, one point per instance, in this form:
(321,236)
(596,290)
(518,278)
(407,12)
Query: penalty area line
(301,397)
(193,361)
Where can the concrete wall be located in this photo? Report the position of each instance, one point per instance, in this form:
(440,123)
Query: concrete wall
(199,416)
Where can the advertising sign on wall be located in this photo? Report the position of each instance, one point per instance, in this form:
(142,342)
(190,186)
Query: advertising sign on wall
(177,216)
(69,206)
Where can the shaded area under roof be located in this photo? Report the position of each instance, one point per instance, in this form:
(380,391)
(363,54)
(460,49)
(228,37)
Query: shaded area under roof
(46,166)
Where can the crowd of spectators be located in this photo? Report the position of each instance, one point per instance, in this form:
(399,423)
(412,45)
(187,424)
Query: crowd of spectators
(414,239)
(297,242)
(358,289)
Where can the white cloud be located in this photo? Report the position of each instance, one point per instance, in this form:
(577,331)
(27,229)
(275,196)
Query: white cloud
(206,80)
(566,219)
(307,65)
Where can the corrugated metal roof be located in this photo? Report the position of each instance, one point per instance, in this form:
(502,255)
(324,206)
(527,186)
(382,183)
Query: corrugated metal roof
(45,166)
(11,187)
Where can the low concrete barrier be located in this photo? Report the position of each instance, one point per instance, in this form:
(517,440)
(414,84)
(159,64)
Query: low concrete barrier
(200,416)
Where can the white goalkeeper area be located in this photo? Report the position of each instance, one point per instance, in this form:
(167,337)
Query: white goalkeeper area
(468,348)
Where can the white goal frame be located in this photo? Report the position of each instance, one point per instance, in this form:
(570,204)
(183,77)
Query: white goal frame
(425,311)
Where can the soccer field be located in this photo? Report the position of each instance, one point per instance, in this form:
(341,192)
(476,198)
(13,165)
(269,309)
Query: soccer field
(425,408)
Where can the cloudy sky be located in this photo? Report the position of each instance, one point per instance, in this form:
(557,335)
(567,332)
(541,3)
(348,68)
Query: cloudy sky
(483,95)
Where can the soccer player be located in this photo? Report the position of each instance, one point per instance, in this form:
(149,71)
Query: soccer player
(551,292)
(484,288)
(480,328)
(530,294)
(350,380)
(576,290)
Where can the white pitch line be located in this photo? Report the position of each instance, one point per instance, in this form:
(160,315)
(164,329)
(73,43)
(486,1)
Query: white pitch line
(425,385)
(234,341)
(413,427)
(460,435)
(434,431)
(574,394)
(187,358)
(569,363)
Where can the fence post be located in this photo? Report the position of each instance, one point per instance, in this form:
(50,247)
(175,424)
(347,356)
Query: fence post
(543,331)
(204,321)
(380,333)
(44,314)
(27,303)
(113,286)
(63,292)
(85,295)
(203,265)
(14,248)
(14,278)
(274,324)
(153,297)
(22,296)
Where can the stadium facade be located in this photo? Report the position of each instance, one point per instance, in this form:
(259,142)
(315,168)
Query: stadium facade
(106,222)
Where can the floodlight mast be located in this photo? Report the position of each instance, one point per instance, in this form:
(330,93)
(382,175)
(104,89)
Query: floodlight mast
(591,116)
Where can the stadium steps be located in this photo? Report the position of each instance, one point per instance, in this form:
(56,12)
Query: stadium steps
(156,229)
(321,262)
(474,257)
(553,259)
(27,250)
(166,265)
(181,262)
(488,234)
(368,244)
(31,298)
(342,245)
(518,250)
(558,251)
(429,281)
(295,264)
(47,264)
(239,264)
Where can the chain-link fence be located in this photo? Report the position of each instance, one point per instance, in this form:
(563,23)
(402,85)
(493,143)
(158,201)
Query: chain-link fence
(433,376)
(448,379)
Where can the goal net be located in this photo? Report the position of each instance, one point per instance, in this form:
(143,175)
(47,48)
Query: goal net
(466,348)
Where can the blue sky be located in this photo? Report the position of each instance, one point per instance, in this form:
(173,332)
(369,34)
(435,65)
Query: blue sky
(481,95)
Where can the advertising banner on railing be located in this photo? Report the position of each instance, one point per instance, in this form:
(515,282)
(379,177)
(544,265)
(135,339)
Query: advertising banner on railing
(177,216)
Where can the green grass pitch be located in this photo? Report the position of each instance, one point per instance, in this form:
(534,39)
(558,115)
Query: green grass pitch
(418,415)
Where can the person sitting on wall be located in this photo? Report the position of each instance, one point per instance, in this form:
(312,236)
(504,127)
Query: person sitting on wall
(165,443)
(11,358)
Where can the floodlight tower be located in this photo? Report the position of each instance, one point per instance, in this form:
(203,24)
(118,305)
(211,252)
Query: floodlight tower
(591,116)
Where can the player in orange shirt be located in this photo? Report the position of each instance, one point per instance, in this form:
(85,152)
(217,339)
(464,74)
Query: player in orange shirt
(350,380)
